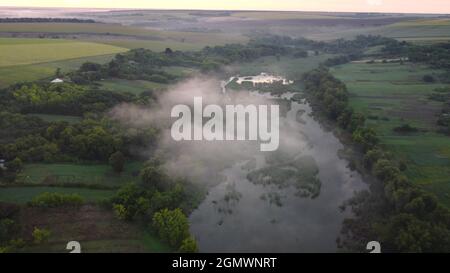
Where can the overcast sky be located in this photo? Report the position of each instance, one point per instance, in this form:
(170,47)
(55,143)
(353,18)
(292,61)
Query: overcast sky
(403,6)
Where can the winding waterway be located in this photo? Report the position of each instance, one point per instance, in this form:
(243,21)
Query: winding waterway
(240,216)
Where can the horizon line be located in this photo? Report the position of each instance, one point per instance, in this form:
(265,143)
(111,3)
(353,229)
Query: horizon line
(231,10)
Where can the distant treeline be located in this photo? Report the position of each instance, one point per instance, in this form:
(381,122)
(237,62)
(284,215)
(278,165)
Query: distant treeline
(45,20)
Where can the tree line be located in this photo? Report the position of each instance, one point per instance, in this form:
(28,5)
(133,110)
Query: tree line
(395,212)
(45,20)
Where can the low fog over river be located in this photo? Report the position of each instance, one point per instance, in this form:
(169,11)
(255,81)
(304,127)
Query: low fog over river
(239,215)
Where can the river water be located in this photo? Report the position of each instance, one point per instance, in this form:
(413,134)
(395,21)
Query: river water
(240,216)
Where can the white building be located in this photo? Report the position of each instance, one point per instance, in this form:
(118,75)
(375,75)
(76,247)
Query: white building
(57,80)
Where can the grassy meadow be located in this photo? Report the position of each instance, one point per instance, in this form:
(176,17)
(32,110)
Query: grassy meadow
(391,95)
(23,59)
(420,31)
(22,195)
(89,174)
(30,51)
(32,72)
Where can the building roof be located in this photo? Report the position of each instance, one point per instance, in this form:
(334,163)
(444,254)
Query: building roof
(57,80)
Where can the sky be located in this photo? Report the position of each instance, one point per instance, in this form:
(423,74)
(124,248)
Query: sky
(396,6)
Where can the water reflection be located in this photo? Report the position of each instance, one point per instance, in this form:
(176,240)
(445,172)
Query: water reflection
(240,215)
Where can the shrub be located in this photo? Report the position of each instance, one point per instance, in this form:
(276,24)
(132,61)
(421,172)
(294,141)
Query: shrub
(52,200)
(17,243)
(405,128)
(7,229)
(158,78)
(121,212)
(41,235)
(189,245)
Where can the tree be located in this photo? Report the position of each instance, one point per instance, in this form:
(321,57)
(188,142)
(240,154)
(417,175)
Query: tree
(154,177)
(172,226)
(88,66)
(130,201)
(357,120)
(406,233)
(385,170)
(428,78)
(371,157)
(168,51)
(58,73)
(15,165)
(345,118)
(367,137)
(117,162)
(189,245)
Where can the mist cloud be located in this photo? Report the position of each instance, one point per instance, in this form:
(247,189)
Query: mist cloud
(203,160)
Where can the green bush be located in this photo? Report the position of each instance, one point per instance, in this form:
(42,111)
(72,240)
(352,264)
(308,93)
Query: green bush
(189,245)
(7,229)
(158,78)
(41,236)
(52,200)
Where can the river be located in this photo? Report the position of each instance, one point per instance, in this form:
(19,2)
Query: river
(241,216)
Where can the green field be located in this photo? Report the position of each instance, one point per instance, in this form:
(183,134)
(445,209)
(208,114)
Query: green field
(30,51)
(32,72)
(74,28)
(23,60)
(143,244)
(23,195)
(120,32)
(93,174)
(116,29)
(423,30)
(97,229)
(285,15)
(184,41)
(157,46)
(392,95)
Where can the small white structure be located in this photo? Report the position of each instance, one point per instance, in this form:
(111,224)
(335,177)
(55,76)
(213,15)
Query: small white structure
(263,78)
(57,80)
(2,164)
